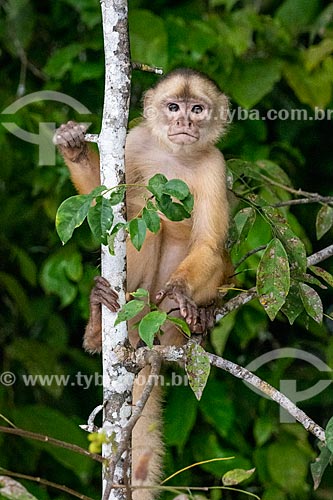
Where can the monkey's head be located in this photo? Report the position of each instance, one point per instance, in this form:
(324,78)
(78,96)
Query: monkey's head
(186,108)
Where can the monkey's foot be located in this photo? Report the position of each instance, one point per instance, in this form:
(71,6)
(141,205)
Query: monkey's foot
(206,319)
(187,307)
(102,293)
(69,138)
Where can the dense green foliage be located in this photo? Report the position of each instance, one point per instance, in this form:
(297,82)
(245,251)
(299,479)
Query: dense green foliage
(267,55)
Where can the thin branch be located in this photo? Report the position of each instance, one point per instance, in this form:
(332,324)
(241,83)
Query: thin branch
(299,192)
(248,254)
(154,360)
(54,442)
(244,374)
(303,201)
(170,353)
(317,257)
(147,68)
(45,482)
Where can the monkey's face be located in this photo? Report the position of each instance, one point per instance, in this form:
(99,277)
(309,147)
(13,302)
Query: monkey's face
(185,110)
(184,120)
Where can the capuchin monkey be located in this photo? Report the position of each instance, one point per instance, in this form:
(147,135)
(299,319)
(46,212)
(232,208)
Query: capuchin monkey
(182,266)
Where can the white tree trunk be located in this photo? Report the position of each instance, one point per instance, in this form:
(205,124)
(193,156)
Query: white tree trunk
(117,382)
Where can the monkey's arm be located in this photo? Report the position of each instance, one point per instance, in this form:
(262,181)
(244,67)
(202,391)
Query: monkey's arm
(82,161)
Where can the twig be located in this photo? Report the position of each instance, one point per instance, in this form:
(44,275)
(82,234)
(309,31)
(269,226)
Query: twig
(317,257)
(90,426)
(154,360)
(54,442)
(147,68)
(303,201)
(45,482)
(299,192)
(248,254)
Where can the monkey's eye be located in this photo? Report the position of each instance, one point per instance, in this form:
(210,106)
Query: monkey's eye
(197,109)
(173,107)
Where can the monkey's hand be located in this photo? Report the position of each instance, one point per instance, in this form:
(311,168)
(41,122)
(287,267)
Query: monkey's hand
(69,138)
(102,293)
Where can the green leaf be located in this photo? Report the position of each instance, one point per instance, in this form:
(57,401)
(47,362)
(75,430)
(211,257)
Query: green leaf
(176,188)
(324,220)
(150,325)
(297,15)
(188,203)
(253,79)
(236,476)
(244,220)
(117,195)
(319,466)
(292,244)
(12,490)
(323,274)
(293,305)
(329,434)
(59,272)
(181,323)
(273,278)
(40,363)
(140,293)
(61,60)
(137,230)
(263,429)
(100,219)
(71,215)
(151,219)
(129,310)
(18,295)
(221,415)
(312,302)
(156,185)
(173,211)
(178,428)
(113,234)
(287,465)
(197,367)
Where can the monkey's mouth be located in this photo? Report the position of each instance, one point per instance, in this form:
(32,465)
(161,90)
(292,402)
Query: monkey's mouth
(183,138)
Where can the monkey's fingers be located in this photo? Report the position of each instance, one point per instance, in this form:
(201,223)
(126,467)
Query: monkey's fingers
(102,293)
(70,135)
(160,296)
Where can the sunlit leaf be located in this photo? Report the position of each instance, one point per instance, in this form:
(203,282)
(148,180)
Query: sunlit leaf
(71,214)
(236,476)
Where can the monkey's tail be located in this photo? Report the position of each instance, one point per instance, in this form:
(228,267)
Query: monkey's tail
(147,445)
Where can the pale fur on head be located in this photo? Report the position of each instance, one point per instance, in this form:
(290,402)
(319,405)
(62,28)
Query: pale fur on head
(183,85)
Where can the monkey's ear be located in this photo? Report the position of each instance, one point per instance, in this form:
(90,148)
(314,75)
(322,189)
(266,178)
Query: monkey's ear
(147,102)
